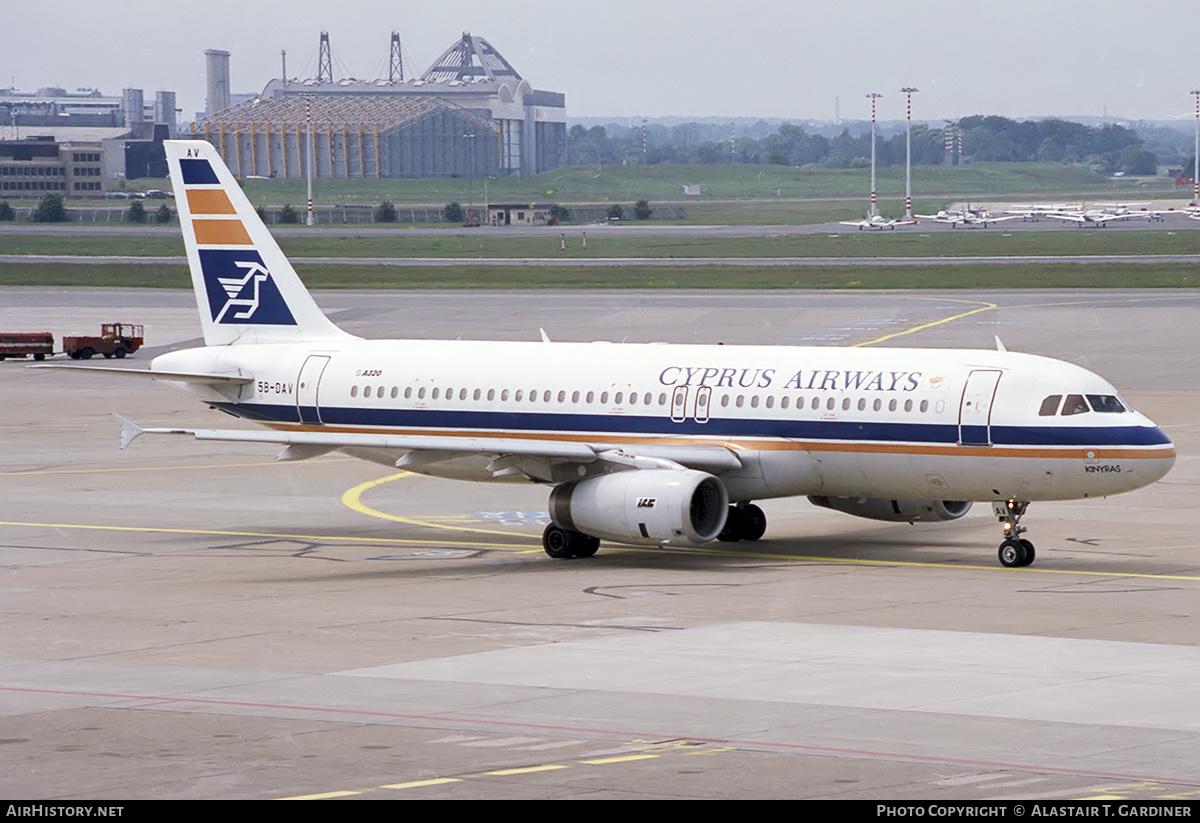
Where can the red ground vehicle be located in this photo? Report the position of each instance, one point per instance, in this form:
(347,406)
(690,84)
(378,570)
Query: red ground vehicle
(115,340)
(32,344)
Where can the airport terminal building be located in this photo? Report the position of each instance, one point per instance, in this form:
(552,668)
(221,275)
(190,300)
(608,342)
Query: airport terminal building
(470,114)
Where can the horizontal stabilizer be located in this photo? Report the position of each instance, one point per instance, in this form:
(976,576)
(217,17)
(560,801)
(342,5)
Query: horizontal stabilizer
(129,431)
(175,376)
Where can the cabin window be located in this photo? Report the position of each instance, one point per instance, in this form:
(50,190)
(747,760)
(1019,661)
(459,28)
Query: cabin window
(434,396)
(908,405)
(562,397)
(877,405)
(633,398)
(783,403)
(604,398)
(1074,404)
(799,403)
(862,404)
(574,397)
(591,397)
(618,397)
(395,392)
(892,405)
(421,393)
(462,394)
(518,395)
(354,391)
(924,406)
(770,401)
(662,399)
(366,391)
(504,394)
(491,395)
(476,395)
(754,402)
(830,403)
(1105,403)
(741,401)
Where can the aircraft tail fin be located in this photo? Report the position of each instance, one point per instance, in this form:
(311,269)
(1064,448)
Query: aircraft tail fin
(246,290)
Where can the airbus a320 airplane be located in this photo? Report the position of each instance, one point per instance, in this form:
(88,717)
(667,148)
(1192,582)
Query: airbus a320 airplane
(649,444)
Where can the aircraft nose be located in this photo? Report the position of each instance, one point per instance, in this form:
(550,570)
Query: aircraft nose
(1164,458)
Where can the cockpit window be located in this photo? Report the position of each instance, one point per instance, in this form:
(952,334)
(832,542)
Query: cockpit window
(1074,404)
(1049,406)
(1105,403)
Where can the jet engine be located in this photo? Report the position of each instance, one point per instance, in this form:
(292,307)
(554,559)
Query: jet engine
(907,511)
(646,506)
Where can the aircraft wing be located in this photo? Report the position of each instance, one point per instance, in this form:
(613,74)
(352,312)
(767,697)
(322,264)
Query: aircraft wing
(1060,215)
(425,449)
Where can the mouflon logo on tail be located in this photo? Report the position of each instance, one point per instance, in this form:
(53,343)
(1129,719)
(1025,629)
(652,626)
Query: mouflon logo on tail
(240,289)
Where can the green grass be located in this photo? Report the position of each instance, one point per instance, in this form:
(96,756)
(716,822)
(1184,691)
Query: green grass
(845,242)
(324,276)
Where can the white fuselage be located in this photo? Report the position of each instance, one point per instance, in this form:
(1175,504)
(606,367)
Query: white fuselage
(870,423)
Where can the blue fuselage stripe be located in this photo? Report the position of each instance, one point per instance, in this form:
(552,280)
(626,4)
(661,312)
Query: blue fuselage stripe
(434,420)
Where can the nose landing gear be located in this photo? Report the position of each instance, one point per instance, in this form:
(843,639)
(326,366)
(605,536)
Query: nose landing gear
(1015,551)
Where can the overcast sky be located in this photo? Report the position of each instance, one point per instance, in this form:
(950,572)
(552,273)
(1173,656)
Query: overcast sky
(1134,59)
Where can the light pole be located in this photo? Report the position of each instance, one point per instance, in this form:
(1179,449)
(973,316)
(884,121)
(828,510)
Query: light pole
(908,90)
(873,211)
(1196,168)
(311,157)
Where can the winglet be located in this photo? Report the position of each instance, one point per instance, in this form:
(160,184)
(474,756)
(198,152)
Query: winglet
(129,431)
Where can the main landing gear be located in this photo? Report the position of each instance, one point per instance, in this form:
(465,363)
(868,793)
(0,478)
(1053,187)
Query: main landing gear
(745,521)
(563,544)
(1015,551)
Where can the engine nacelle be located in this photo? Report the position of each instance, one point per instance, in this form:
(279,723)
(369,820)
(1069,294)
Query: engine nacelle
(895,511)
(644,506)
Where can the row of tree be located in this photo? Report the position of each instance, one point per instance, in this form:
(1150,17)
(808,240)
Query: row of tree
(52,209)
(1107,148)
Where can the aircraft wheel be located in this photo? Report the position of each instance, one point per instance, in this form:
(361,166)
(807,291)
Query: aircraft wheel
(563,544)
(733,529)
(557,542)
(586,546)
(1016,553)
(754,522)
